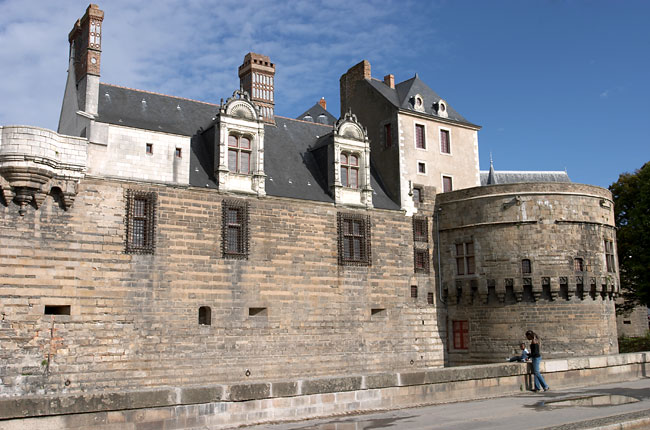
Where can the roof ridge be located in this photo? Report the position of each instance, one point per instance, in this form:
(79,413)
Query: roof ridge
(526,171)
(307,122)
(158,94)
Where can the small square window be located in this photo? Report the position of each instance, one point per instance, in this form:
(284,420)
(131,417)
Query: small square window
(422,168)
(150,148)
(178,152)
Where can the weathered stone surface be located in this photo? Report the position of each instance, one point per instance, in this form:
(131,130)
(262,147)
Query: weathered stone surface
(381,381)
(329,385)
(241,392)
(207,394)
(284,389)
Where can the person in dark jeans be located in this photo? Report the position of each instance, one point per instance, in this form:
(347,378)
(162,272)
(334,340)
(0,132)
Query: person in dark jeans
(521,358)
(536,358)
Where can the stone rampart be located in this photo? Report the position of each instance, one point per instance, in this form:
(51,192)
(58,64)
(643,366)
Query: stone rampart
(228,406)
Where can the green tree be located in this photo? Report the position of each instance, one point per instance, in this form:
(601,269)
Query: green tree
(632,211)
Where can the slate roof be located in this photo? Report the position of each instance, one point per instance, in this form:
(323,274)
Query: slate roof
(290,166)
(401,95)
(152,111)
(318,115)
(520,177)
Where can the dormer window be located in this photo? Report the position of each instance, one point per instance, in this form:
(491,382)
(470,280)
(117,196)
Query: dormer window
(349,170)
(418,103)
(239,154)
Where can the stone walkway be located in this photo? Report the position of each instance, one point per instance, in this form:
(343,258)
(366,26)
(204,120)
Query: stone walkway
(623,405)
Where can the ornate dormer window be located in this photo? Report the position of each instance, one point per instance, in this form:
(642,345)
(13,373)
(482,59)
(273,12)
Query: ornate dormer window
(440,107)
(417,102)
(351,153)
(239,145)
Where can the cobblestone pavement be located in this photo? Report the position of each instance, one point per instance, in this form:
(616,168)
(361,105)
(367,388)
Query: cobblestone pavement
(623,405)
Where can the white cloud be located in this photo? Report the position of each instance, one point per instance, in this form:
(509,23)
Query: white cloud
(192,49)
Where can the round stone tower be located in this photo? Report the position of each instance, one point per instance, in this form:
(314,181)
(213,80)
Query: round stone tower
(519,257)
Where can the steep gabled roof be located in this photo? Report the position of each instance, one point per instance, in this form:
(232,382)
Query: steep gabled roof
(152,111)
(318,115)
(401,95)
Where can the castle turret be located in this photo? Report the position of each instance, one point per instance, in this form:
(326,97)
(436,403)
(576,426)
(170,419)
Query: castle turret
(256,76)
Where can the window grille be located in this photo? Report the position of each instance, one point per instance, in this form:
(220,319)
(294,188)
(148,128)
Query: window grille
(354,240)
(140,222)
(234,230)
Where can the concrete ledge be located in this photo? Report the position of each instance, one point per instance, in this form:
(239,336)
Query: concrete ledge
(253,402)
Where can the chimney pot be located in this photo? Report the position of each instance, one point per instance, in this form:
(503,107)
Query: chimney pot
(323,103)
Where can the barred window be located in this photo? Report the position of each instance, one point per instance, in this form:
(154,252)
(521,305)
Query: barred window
(578,265)
(465,263)
(421,260)
(234,234)
(354,240)
(140,222)
(420,229)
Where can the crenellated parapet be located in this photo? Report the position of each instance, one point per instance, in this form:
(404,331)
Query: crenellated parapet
(35,162)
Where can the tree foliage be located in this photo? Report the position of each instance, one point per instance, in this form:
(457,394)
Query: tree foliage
(632,211)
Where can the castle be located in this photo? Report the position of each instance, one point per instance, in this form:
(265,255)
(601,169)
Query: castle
(158,241)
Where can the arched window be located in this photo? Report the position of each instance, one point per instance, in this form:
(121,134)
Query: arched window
(350,170)
(239,154)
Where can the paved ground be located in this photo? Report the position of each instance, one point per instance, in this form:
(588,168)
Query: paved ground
(569,409)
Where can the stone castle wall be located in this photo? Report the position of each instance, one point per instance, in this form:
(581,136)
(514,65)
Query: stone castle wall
(133,319)
(550,225)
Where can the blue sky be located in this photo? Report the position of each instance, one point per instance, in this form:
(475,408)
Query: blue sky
(555,84)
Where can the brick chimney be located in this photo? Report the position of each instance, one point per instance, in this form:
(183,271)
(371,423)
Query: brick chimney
(256,76)
(85,51)
(348,81)
(390,81)
(323,103)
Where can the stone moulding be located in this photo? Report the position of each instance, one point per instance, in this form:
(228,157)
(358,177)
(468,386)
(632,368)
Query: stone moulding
(35,162)
(501,379)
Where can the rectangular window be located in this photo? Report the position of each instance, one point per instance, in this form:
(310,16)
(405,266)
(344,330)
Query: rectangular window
(420,141)
(526,266)
(178,152)
(460,331)
(445,146)
(388,137)
(349,170)
(609,255)
(417,195)
(149,148)
(422,168)
(239,154)
(354,240)
(140,222)
(430,298)
(446,184)
(421,260)
(420,229)
(578,265)
(414,291)
(465,263)
(234,234)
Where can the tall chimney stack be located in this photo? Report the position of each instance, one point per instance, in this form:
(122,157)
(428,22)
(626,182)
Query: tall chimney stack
(85,50)
(256,76)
